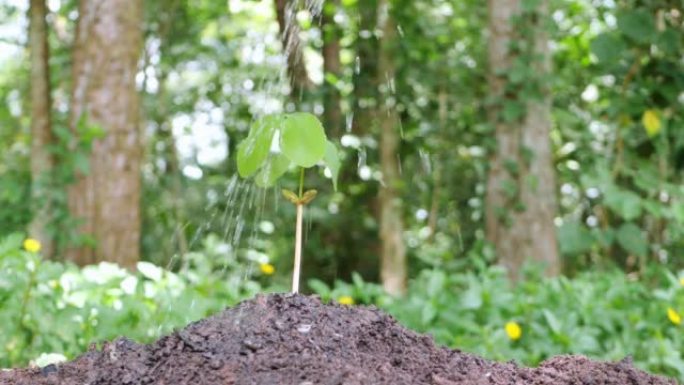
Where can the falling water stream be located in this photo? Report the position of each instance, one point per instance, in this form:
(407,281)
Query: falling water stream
(242,205)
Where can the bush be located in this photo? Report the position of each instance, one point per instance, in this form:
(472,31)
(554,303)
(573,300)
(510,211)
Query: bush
(48,307)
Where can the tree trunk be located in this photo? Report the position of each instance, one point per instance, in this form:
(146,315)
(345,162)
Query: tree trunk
(334,121)
(392,250)
(107,199)
(42,160)
(347,258)
(366,68)
(521,188)
(286,13)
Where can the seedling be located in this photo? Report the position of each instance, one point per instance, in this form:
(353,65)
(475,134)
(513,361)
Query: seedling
(301,143)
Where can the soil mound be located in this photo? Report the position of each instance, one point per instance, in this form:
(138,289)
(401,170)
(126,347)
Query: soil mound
(294,339)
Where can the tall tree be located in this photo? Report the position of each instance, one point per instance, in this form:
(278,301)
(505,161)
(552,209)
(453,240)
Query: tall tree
(348,258)
(286,13)
(41,129)
(521,189)
(107,199)
(332,68)
(172,177)
(392,250)
(365,87)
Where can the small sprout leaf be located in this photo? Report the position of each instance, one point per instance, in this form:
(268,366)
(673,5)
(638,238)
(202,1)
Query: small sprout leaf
(308,197)
(332,161)
(303,139)
(253,151)
(290,196)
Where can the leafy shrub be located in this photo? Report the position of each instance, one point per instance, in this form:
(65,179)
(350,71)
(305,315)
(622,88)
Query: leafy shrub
(48,307)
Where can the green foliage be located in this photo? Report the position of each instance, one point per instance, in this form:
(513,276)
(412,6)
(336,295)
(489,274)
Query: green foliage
(630,237)
(619,161)
(15,176)
(102,302)
(637,24)
(608,48)
(332,161)
(302,141)
(254,150)
(574,238)
(604,315)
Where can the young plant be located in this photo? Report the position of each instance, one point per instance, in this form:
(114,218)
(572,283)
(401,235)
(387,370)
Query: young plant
(276,143)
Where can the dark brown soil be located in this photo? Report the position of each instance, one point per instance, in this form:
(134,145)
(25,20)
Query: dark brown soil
(286,339)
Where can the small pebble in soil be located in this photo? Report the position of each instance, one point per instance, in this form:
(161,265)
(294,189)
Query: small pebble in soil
(304,328)
(52,368)
(215,363)
(251,345)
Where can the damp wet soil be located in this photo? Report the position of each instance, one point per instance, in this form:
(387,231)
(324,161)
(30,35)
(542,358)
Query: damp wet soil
(295,339)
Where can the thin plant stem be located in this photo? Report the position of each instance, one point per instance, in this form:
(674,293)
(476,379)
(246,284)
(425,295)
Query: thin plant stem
(25,302)
(298,236)
(301,182)
(298,249)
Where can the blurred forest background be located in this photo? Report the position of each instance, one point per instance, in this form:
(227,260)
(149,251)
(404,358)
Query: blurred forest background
(476,137)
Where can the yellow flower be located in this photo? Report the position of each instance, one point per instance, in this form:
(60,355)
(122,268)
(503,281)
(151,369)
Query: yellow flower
(681,281)
(513,330)
(651,122)
(31,245)
(674,317)
(345,300)
(267,268)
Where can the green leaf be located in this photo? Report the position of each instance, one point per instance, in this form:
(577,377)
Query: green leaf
(625,203)
(472,298)
(638,25)
(275,166)
(530,5)
(554,323)
(81,162)
(605,237)
(677,210)
(512,110)
(253,151)
(436,283)
(11,243)
(574,238)
(321,288)
(654,208)
(668,41)
(630,238)
(428,314)
(90,133)
(63,134)
(332,161)
(608,48)
(647,177)
(303,139)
